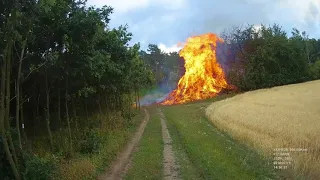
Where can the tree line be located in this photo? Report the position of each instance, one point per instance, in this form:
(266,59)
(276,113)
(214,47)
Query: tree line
(60,61)
(252,58)
(167,67)
(266,57)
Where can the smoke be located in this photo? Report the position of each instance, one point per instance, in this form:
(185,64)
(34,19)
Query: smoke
(222,56)
(155,96)
(159,94)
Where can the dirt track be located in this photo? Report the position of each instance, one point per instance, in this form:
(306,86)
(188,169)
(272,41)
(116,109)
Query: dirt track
(121,165)
(170,166)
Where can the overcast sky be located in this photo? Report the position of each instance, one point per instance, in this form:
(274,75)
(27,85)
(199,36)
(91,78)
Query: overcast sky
(167,22)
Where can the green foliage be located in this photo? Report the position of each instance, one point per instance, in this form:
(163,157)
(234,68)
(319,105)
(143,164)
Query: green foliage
(92,142)
(39,168)
(166,67)
(267,57)
(315,70)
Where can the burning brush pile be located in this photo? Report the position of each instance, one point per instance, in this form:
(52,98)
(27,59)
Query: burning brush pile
(204,78)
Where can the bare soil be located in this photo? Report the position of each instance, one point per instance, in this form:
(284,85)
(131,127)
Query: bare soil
(170,167)
(122,163)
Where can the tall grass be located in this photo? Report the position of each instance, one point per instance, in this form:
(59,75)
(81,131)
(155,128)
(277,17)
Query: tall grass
(280,117)
(110,137)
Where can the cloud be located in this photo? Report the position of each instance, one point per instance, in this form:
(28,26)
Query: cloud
(169,22)
(125,6)
(122,6)
(301,14)
(174,48)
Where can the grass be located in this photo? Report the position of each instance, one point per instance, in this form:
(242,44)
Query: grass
(89,166)
(187,169)
(147,160)
(280,117)
(204,152)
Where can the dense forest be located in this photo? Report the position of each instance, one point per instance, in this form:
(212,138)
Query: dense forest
(69,81)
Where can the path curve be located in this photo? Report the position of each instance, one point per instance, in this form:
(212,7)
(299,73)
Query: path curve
(170,167)
(120,166)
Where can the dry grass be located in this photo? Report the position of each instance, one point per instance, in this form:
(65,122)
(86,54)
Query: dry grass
(284,116)
(78,169)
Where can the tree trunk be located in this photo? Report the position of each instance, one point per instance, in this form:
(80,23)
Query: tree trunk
(121,105)
(48,109)
(74,111)
(100,115)
(59,107)
(86,109)
(138,100)
(136,97)
(7,113)
(18,93)
(66,106)
(38,107)
(129,105)
(22,122)
(107,108)
(35,112)
(116,104)
(120,102)
(3,108)
(100,109)
(106,101)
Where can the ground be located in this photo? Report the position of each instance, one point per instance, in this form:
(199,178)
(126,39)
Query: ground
(179,142)
(226,137)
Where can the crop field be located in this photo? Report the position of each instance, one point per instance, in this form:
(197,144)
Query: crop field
(279,117)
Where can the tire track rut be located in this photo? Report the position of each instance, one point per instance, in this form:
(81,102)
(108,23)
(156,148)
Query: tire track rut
(170,167)
(121,165)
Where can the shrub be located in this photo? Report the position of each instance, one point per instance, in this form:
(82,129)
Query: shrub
(92,142)
(5,169)
(39,168)
(315,70)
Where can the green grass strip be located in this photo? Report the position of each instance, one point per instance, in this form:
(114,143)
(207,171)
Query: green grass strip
(147,160)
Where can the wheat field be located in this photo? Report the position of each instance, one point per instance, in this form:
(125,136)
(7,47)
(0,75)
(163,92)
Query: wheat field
(280,117)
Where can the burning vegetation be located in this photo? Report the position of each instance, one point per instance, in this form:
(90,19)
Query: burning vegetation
(204,78)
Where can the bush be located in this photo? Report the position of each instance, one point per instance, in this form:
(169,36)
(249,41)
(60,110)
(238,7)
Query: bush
(315,70)
(92,142)
(39,168)
(5,169)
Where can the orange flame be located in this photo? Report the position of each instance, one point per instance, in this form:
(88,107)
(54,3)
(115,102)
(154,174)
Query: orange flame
(204,77)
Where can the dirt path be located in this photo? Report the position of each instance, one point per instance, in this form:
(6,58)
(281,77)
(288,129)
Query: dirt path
(121,165)
(170,166)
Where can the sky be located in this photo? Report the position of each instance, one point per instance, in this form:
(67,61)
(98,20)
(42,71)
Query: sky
(168,22)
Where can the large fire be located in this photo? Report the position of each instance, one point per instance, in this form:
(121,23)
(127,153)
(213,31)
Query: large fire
(204,77)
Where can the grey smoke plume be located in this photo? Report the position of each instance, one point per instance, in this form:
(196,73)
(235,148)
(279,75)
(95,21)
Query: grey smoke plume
(160,93)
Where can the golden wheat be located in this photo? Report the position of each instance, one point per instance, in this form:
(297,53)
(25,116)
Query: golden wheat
(279,117)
